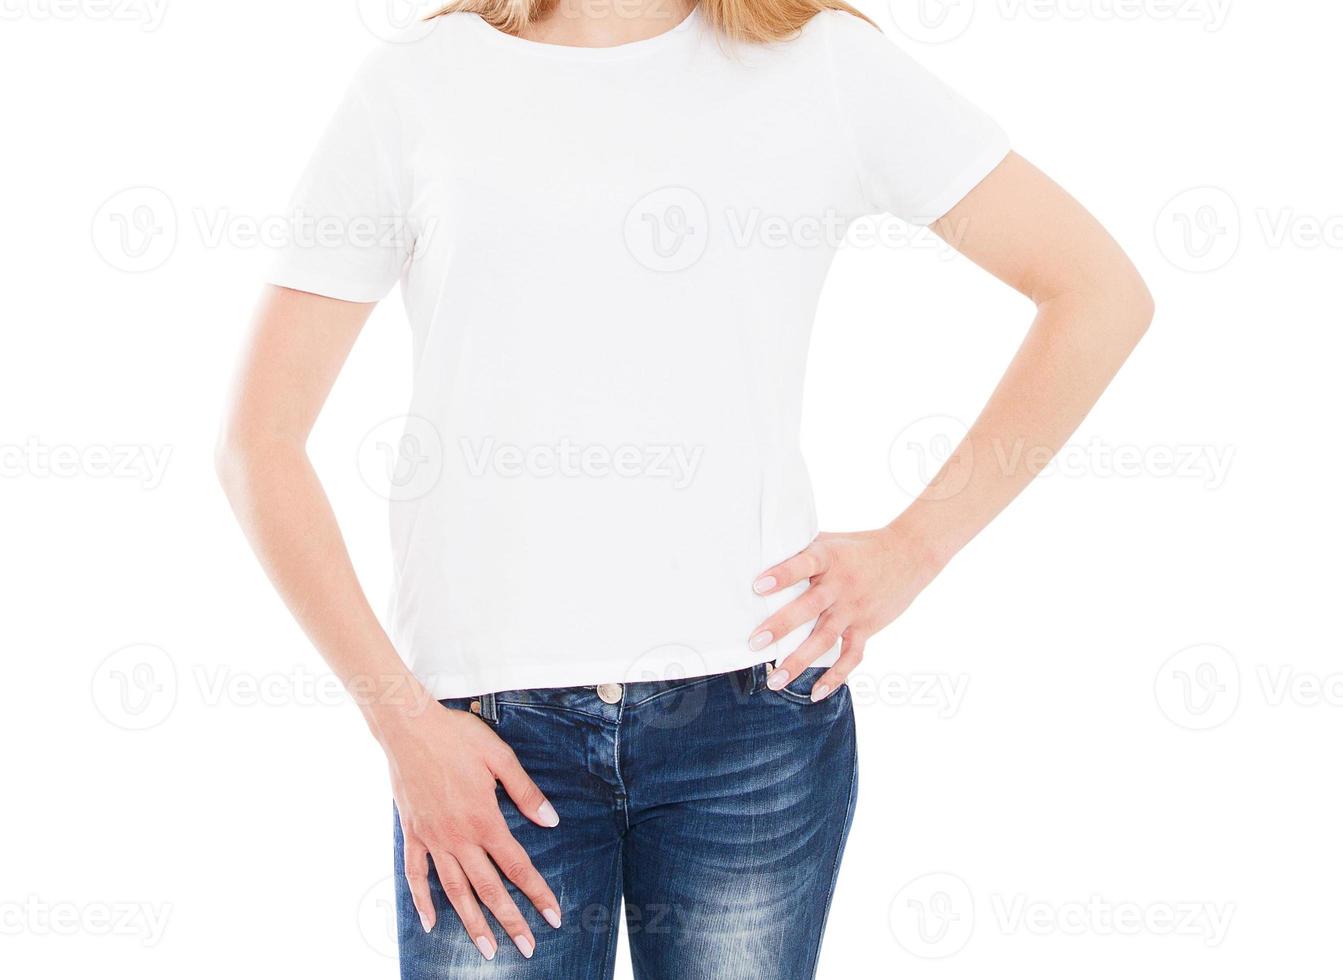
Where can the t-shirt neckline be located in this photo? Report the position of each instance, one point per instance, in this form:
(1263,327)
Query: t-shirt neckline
(580,53)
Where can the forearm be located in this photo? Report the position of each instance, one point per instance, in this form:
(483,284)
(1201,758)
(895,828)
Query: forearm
(285,513)
(1075,347)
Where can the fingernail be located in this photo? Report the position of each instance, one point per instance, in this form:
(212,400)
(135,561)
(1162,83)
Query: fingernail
(765,583)
(547,815)
(551,916)
(761,640)
(777,679)
(424,921)
(525,945)
(486,946)
(819,692)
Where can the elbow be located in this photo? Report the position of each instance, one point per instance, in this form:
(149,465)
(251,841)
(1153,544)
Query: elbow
(230,458)
(1142,306)
(1130,306)
(238,457)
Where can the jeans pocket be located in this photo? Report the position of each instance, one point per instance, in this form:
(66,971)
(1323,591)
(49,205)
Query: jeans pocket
(798,690)
(482,707)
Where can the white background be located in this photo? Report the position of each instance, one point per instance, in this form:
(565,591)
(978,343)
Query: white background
(1127,762)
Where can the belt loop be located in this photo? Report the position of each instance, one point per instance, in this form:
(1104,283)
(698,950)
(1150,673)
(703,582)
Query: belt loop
(488,709)
(758,674)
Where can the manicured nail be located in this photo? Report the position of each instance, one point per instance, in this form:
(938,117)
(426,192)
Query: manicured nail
(764,584)
(761,640)
(819,692)
(547,815)
(551,916)
(424,921)
(777,679)
(486,946)
(525,945)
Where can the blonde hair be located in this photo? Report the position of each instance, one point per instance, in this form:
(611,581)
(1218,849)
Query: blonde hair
(758,21)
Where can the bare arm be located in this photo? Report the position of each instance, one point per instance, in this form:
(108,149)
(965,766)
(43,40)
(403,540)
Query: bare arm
(444,764)
(1091,310)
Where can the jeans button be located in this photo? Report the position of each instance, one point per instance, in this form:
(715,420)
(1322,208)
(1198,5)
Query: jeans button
(610,693)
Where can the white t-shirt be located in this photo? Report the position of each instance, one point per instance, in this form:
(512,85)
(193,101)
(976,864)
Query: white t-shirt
(610,259)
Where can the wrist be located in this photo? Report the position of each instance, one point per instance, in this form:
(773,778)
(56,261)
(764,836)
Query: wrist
(390,719)
(933,545)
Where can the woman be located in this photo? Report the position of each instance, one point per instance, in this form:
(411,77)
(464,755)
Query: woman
(626,643)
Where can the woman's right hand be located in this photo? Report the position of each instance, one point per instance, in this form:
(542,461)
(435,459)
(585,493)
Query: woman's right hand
(444,765)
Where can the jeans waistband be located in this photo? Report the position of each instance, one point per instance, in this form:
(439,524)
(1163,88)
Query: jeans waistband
(607,700)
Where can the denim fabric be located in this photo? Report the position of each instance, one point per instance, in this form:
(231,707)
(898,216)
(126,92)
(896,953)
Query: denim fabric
(714,808)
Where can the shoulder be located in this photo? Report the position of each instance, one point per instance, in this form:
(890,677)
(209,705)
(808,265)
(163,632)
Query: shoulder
(412,55)
(844,32)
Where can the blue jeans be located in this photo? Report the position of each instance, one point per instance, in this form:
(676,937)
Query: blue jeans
(716,808)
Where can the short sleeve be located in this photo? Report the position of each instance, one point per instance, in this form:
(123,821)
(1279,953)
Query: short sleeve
(348,234)
(919,147)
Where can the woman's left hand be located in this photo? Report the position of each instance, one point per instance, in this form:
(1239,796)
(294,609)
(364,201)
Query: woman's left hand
(860,582)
